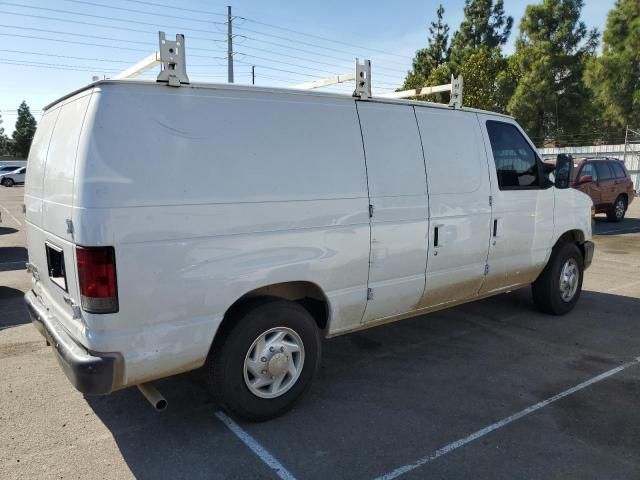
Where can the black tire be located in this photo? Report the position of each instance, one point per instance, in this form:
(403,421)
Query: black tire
(618,210)
(8,182)
(224,370)
(547,295)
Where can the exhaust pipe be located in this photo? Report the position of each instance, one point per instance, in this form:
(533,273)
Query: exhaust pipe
(155,398)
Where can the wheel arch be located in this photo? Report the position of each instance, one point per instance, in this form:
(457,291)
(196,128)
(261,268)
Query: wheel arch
(575,236)
(307,294)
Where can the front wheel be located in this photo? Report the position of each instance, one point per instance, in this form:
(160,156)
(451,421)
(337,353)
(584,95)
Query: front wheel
(557,289)
(266,360)
(8,182)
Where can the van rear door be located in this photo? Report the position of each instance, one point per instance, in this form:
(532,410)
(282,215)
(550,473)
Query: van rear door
(49,204)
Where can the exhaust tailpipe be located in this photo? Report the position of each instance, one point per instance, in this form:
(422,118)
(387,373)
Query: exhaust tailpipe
(155,398)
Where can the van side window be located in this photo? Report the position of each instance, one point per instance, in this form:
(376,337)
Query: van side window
(589,169)
(516,162)
(604,173)
(617,170)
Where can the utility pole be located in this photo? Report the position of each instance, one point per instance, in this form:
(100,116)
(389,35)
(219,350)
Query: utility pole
(626,142)
(253,74)
(229,45)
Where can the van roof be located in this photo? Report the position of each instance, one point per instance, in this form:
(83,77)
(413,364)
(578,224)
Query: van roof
(253,88)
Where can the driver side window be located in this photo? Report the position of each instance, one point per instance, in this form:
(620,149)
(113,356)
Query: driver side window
(589,169)
(516,162)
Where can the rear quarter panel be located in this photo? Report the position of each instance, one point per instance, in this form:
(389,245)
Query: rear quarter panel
(207,195)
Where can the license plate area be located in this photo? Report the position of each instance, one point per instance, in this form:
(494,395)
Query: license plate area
(55,266)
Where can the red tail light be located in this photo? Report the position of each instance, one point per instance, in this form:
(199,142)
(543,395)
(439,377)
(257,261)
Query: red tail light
(97,279)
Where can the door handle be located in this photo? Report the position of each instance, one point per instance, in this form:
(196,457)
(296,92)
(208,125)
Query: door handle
(495,227)
(436,239)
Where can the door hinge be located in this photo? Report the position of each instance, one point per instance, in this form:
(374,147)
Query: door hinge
(486,269)
(490,201)
(369,294)
(69,226)
(370,211)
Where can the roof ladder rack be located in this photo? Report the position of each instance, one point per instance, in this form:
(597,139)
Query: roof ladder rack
(455,87)
(171,58)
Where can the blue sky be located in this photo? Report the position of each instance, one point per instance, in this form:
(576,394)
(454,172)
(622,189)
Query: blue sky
(102,37)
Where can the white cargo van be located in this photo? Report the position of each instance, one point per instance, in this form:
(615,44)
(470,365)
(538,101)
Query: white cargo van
(302,216)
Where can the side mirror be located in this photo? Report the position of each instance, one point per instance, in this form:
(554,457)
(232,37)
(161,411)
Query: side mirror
(564,167)
(584,179)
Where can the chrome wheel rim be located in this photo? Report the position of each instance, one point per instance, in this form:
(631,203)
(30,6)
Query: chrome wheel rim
(569,277)
(619,209)
(274,362)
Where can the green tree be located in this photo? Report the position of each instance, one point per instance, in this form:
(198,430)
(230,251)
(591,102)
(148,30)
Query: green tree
(24,131)
(432,56)
(485,25)
(551,98)
(3,139)
(614,76)
(488,83)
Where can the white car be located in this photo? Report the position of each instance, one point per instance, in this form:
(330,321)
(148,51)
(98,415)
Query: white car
(307,215)
(14,177)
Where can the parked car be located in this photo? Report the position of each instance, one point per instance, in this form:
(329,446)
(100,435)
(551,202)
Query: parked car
(15,177)
(307,215)
(608,183)
(9,168)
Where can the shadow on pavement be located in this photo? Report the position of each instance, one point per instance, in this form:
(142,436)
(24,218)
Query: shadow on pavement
(628,225)
(185,441)
(12,258)
(7,230)
(12,309)
(405,389)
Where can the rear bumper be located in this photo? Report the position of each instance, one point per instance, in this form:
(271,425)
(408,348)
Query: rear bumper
(89,373)
(589,248)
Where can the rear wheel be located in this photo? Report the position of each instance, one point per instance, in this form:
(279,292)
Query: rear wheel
(266,360)
(617,210)
(557,289)
(8,182)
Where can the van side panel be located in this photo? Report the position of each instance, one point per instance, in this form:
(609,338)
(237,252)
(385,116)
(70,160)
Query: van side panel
(207,195)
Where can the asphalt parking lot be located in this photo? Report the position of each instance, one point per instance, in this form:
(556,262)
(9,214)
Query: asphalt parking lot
(489,390)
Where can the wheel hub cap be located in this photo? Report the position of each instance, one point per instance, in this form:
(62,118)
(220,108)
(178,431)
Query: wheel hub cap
(274,362)
(569,279)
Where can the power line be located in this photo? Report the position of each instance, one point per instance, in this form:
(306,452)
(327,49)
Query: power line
(323,38)
(102,5)
(103,17)
(149,32)
(172,7)
(302,43)
(33,37)
(398,71)
(8,61)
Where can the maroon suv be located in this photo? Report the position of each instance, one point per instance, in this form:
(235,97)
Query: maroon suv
(607,182)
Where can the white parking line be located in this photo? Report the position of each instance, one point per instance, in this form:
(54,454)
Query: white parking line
(501,423)
(258,449)
(11,215)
